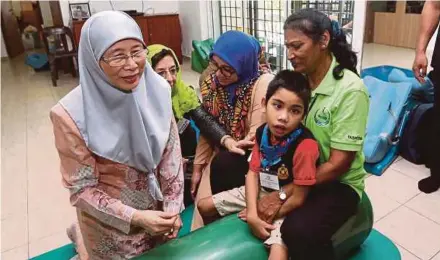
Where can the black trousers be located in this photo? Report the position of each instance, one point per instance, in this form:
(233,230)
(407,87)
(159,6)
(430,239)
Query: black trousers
(228,171)
(307,231)
(188,142)
(434,164)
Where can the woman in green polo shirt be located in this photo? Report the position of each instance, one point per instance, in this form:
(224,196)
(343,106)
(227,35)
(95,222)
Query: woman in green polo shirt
(337,117)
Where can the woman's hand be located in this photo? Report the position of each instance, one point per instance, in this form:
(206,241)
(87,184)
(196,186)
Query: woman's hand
(238,147)
(155,222)
(195,179)
(268,206)
(176,227)
(258,227)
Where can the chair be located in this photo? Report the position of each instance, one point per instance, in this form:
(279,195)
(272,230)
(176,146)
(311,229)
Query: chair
(60,46)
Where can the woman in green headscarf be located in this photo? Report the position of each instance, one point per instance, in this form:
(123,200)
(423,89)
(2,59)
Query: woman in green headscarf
(184,98)
(165,63)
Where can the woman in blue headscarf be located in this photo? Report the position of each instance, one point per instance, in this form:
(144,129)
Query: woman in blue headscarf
(232,94)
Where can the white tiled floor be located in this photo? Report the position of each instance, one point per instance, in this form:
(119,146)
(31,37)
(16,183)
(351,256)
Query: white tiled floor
(35,207)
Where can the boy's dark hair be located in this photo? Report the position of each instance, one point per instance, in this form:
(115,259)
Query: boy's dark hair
(292,81)
(160,55)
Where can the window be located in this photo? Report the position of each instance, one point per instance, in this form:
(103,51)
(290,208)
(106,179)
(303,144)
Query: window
(414,7)
(265,19)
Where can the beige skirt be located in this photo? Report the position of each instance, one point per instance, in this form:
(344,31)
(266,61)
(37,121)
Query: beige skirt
(203,192)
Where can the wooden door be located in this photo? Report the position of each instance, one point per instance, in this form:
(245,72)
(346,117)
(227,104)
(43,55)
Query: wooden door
(76,30)
(142,22)
(31,14)
(369,23)
(10,31)
(170,37)
(55,10)
(156,30)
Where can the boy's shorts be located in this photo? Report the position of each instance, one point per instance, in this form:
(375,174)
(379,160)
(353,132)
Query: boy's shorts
(232,201)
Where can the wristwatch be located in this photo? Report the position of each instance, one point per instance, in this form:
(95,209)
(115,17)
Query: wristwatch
(282,194)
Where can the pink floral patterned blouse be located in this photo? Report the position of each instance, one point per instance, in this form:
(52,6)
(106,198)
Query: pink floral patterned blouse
(106,193)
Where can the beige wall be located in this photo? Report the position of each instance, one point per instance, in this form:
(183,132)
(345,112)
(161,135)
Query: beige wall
(4,53)
(46,13)
(155,6)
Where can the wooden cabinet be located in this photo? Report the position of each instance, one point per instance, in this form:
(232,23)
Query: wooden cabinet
(156,29)
(165,29)
(144,28)
(397,28)
(76,27)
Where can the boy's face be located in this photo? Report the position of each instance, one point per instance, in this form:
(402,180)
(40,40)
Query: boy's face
(284,112)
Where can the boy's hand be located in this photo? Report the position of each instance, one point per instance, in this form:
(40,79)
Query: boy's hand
(258,227)
(243,215)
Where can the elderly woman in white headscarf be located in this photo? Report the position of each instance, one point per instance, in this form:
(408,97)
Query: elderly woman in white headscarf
(118,143)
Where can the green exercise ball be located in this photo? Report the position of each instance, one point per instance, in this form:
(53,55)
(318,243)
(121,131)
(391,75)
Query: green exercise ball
(230,238)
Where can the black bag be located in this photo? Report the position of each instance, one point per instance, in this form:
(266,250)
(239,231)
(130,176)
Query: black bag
(418,135)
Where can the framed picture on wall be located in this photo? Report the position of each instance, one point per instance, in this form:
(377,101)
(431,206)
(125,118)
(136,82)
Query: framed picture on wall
(79,11)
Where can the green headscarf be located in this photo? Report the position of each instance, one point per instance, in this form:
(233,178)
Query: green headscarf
(184,98)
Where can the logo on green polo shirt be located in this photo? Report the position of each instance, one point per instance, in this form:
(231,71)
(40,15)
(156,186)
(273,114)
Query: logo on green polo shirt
(322,117)
(354,137)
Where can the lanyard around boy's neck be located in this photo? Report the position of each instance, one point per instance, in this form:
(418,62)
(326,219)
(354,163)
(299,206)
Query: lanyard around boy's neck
(270,155)
(310,108)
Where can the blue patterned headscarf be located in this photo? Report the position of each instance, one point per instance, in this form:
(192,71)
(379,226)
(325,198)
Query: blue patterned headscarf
(241,52)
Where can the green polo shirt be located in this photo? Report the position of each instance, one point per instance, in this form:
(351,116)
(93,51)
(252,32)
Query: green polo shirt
(338,119)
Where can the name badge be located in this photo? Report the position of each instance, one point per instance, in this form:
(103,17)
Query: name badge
(182,125)
(269,181)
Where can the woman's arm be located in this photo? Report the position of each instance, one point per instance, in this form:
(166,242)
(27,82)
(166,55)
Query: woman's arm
(171,173)
(298,195)
(81,176)
(338,164)
(212,130)
(347,136)
(207,124)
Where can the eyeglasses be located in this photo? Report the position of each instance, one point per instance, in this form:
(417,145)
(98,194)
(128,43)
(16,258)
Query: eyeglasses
(172,71)
(121,60)
(225,70)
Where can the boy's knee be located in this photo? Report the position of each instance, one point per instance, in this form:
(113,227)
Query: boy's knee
(205,206)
